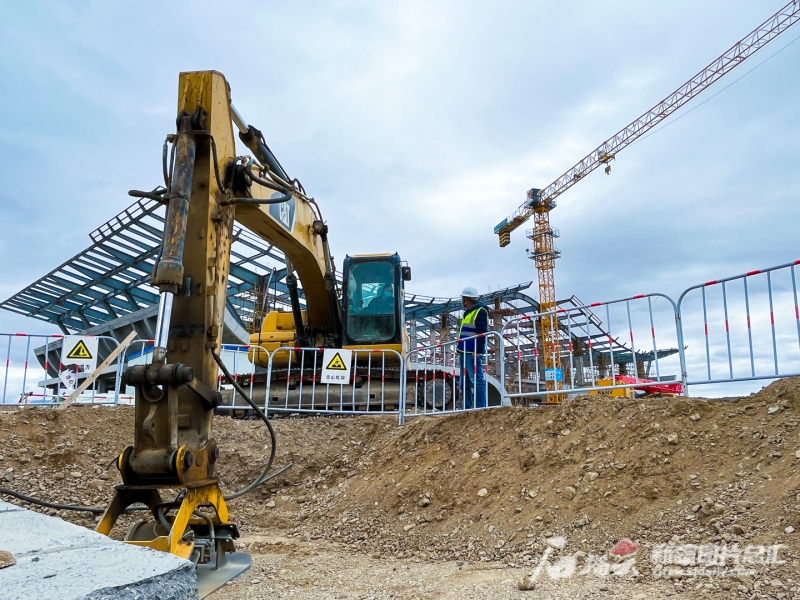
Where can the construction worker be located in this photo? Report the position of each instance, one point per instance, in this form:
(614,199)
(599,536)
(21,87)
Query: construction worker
(470,351)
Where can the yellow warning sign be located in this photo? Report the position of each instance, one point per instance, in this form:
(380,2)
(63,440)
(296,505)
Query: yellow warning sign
(336,363)
(80,351)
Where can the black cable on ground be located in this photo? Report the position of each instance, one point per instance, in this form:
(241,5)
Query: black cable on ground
(262,478)
(90,509)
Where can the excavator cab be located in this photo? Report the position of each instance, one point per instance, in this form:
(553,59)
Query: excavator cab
(373,301)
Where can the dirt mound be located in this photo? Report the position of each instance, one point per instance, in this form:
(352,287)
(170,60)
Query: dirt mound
(485,486)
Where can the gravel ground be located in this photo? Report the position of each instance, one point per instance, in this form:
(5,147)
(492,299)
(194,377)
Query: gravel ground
(487,491)
(323,570)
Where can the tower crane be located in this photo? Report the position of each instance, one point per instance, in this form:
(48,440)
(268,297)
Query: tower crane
(539,202)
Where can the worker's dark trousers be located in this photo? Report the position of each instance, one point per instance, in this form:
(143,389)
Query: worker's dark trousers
(473,383)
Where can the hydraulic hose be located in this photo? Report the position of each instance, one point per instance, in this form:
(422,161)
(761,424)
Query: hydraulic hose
(266,184)
(164,162)
(157,194)
(287,194)
(211,532)
(262,478)
(90,509)
(280,200)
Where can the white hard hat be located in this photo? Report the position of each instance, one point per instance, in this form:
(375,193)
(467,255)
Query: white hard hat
(470,292)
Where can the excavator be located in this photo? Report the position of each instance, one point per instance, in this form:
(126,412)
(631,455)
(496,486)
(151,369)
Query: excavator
(208,186)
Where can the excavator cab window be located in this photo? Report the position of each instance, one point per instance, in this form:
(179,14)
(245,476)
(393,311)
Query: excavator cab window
(371,301)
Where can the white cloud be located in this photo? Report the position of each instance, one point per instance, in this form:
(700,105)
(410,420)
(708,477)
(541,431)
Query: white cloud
(418,126)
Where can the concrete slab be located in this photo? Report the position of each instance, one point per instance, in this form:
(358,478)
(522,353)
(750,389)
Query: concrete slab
(57,560)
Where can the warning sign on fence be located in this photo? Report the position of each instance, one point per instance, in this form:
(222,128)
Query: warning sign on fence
(78,355)
(336,366)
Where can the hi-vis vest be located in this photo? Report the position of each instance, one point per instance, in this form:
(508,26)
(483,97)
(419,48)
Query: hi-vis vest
(468,329)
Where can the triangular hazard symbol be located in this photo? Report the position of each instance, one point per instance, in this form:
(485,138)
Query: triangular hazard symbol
(81,351)
(336,364)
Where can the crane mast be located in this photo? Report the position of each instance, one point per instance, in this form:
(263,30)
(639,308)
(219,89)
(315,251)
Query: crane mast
(539,203)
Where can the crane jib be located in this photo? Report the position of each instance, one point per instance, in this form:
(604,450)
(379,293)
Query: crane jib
(718,68)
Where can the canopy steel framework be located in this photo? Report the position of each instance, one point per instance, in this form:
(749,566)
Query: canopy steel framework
(105,291)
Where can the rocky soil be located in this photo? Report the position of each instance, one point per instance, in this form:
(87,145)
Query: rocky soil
(488,491)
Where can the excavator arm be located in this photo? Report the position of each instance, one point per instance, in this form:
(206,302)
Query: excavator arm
(293,224)
(207,187)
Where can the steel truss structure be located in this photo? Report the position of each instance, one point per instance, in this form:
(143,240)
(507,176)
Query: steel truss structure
(105,291)
(110,280)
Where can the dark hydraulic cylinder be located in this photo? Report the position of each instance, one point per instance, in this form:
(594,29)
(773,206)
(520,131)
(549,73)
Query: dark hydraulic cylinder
(294,298)
(169,272)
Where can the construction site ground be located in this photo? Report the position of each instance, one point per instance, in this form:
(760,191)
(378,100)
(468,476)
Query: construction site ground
(465,506)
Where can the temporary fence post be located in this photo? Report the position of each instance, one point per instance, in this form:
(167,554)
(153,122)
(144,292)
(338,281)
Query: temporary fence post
(383,380)
(727,329)
(772,322)
(536,351)
(474,375)
(401,408)
(355,372)
(369,376)
(288,378)
(302,377)
(502,349)
(266,380)
(252,369)
(8,363)
(555,348)
(46,368)
(519,360)
(314,381)
(25,371)
(425,367)
(681,345)
(328,391)
(268,385)
(610,345)
(705,326)
(118,375)
(341,394)
(749,330)
(444,377)
(404,389)
(591,352)
(633,346)
(571,362)
(94,389)
(433,386)
(455,366)
(235,373)
(796,310)
(653,335)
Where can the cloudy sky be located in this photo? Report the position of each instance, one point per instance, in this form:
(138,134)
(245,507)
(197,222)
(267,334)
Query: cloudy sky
(418,126)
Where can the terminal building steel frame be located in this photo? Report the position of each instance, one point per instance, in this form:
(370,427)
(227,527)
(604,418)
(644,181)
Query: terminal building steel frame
(105,291)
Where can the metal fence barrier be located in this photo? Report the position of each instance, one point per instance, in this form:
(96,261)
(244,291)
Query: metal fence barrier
(597,367)
(31,376)
(293,383)
(741,328)
(237,358)
(447,379)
